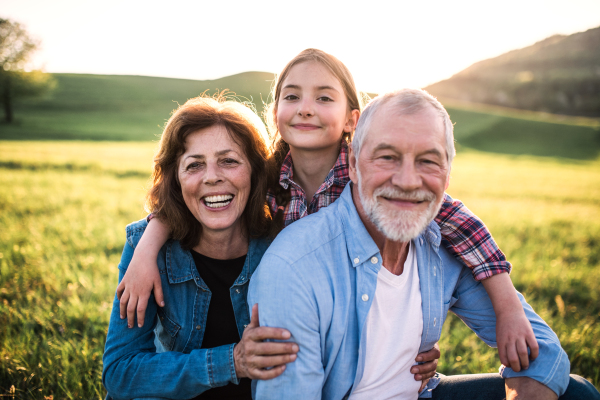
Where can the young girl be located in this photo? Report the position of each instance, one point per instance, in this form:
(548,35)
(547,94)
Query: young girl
(312,118)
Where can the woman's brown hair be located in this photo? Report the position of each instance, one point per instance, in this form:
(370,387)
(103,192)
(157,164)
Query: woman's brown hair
(165,200)
(279,147)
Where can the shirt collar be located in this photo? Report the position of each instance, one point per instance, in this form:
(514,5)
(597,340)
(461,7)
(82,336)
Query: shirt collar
(338,174)
(359,242)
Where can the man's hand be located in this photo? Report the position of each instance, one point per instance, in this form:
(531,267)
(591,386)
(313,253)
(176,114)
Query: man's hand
(256,359)
(524,388)
(426,370)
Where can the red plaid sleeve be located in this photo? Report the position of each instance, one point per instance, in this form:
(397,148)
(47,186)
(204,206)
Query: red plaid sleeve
(467,238)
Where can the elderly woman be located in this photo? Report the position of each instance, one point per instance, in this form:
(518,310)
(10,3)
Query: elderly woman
(209,186)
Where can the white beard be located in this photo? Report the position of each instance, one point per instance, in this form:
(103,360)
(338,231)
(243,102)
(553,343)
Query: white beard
(399,225)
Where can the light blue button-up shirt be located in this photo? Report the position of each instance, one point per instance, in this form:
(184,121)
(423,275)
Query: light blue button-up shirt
(318,280)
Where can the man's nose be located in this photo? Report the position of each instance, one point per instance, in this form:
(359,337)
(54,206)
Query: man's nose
(407,177)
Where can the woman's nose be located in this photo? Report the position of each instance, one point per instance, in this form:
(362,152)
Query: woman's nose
(213,174)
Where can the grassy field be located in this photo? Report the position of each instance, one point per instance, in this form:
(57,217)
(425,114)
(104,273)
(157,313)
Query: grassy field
(73,173)
(63,222)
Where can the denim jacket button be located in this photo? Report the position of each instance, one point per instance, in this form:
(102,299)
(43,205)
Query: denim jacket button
(198,327)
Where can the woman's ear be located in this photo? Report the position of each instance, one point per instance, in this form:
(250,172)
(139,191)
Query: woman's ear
(351,121)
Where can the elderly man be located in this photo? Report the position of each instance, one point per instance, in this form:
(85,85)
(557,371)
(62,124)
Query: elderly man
(363,285)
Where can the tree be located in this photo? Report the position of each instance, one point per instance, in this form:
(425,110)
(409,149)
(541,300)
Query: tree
(16,49)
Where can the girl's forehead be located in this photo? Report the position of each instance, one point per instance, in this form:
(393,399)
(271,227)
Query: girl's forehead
(311,73)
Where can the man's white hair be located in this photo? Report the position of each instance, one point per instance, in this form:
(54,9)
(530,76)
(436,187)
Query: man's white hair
(403,102)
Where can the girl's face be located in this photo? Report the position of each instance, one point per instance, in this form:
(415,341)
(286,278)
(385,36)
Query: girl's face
(312,112)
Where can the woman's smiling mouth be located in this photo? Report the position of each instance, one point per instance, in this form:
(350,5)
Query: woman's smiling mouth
(218,201)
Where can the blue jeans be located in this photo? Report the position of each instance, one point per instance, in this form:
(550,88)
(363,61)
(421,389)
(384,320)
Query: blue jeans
(491,387)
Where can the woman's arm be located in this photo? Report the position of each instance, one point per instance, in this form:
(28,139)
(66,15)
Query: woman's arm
(142,274)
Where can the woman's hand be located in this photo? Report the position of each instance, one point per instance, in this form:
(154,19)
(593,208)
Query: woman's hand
(426,370)
(256,359)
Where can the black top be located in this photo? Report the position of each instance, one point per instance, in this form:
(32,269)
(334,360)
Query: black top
(221,328)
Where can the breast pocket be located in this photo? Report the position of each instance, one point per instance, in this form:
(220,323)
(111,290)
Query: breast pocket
(166,331)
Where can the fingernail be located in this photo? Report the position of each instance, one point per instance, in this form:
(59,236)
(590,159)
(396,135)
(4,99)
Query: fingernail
(139,325)
(419,358)
(162,303)
(285,335)
(129,325)
(122,317)
(295,348)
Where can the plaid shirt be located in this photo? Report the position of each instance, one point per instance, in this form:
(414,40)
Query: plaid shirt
(463,234)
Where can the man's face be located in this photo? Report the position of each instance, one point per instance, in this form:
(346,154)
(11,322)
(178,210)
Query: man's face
(402,171)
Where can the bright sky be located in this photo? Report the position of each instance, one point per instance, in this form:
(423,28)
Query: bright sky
(386,45)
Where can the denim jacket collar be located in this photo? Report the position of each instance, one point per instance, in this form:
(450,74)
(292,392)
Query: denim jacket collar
(181,266)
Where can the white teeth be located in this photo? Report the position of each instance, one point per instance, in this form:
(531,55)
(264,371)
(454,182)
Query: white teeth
(220,198)
(218,201)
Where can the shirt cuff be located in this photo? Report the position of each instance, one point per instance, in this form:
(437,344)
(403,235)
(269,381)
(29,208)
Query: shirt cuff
(490,269)
(221,366)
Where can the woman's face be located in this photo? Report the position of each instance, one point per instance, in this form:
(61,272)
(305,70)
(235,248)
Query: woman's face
(214,174)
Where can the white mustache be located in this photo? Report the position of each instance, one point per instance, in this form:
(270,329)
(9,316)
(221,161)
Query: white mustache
(399,194)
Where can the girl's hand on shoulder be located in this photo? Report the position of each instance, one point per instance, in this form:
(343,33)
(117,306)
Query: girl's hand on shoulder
(514,336)
(134,290)
(257,359)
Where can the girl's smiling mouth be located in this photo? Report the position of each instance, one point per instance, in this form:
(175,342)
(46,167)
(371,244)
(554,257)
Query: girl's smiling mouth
(305,127)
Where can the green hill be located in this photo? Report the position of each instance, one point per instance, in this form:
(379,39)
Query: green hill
(135,108)
(116,107)
(560,75)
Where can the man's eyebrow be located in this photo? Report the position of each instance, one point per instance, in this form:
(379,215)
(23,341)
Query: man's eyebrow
(385,146)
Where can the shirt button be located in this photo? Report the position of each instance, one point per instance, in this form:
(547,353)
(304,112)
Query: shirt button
(245,325)
(237,290)
(365,297)
(421,241)
(374,260)
(356,260)
(198,327)
(434,321)
(434,270)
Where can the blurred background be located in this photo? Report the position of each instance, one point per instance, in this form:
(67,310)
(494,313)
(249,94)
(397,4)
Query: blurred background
(86,88)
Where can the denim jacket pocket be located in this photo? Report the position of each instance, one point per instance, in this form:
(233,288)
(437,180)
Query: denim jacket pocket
(167,330)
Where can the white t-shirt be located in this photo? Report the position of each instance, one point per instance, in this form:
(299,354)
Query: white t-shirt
(393,336)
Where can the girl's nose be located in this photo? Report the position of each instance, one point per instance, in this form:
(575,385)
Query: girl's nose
(305,109)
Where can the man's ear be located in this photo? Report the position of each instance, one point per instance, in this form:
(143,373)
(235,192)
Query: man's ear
(448,179)
(352,164)
(352,121)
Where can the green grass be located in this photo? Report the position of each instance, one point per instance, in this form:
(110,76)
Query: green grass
(67,204)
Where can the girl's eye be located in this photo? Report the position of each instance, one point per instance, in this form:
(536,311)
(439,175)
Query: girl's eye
(291,97)
(325,98)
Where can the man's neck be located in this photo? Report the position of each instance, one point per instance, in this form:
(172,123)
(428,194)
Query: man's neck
(393,253)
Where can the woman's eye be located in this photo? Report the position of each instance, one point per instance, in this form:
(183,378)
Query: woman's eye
(194,165)
(230,161)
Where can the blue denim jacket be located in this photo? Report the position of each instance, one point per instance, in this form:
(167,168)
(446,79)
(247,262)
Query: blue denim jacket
(323,289)
(163,358)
